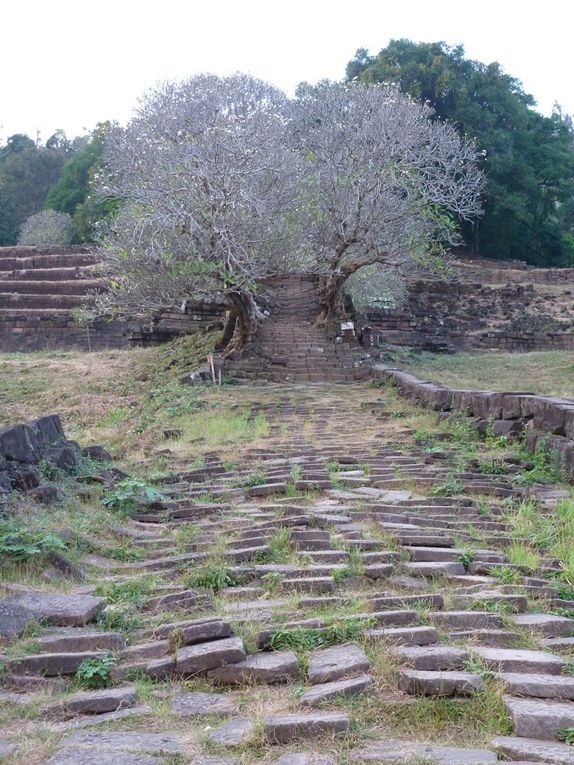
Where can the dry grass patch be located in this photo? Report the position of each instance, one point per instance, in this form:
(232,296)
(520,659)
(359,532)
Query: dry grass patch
(548,373)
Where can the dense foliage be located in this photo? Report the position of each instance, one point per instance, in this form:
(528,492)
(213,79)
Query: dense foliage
(226,181)
(55,176)
(529,160)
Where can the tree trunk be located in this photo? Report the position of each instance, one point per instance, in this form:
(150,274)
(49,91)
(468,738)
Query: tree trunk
(329,294)
(245,312)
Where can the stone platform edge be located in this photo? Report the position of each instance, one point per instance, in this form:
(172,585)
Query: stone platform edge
(549,421)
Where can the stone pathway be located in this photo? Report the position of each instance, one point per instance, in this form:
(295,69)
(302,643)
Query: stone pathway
(318,601)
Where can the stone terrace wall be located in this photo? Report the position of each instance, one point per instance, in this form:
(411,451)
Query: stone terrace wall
(549,422)
(42,287)
(491,306)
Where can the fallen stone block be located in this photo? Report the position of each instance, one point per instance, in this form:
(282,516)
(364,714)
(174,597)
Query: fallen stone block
(324,691)
(199,704)
(273,667)
(281,729)
(428,683)
(398,752)
(338,662)
(202,657)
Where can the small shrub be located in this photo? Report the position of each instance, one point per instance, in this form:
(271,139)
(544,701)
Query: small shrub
(448,488)
(566,735)
(18,543)
(255,479)
(307,639)
(215,575)
(466,558)
(505,575)
(127,496)
(296,473)
(46,228)
(95,673)
(134,592)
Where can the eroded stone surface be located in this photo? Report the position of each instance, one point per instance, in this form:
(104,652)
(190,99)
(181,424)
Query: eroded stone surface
(318,693)
(95,757)
(335,663)
(231,733)
(539,751)
(281,729)
(274,667)
(395,752)
(57,609)
(94,702)
(197,704)
(202,657)
(155,743)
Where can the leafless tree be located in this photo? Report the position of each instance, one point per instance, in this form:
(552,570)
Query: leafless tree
(225,181)
(208,179)
(384,184)
(46,228)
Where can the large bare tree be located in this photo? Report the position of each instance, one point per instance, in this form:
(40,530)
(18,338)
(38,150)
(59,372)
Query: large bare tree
(225,181)
(207,178)
(385,184)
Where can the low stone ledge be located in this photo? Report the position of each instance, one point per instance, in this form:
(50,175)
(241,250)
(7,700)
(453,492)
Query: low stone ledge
(551,419)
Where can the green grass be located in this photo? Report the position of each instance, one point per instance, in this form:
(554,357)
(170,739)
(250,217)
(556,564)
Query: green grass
(549,373)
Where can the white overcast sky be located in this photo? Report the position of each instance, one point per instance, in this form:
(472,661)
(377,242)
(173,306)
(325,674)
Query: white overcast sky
(70,64)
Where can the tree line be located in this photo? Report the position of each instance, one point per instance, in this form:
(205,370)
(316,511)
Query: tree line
(527,159)
(58,175)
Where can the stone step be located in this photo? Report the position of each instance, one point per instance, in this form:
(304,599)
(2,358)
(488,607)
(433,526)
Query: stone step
(274,667)
(325,691)
(404,635)
(195,659)
(431,658)
(429,683)
(93,702)
(14,300)
(284,728)
(45,287)
(536,718)
(519,660)
(534,749)
(402,752)
(335,663)
(51,664)
(547,625)
(538,685)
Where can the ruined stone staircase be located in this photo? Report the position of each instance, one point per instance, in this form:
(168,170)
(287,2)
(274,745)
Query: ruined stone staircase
(289,347)
(40,290)
(356,593)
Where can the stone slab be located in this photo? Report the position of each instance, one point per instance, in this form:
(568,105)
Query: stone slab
(334,663)
(60,610)
(198,704)
(538,685)
(519,660)
(137,741)
(202,657)
(537,718)
(94,702)
(281,729)
(323,691)
(431,658)
(539,751)
(273,667)
(397,752)
(426,683)
(232,733)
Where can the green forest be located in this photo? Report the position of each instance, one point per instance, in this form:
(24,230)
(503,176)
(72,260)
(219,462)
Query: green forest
(527,158)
